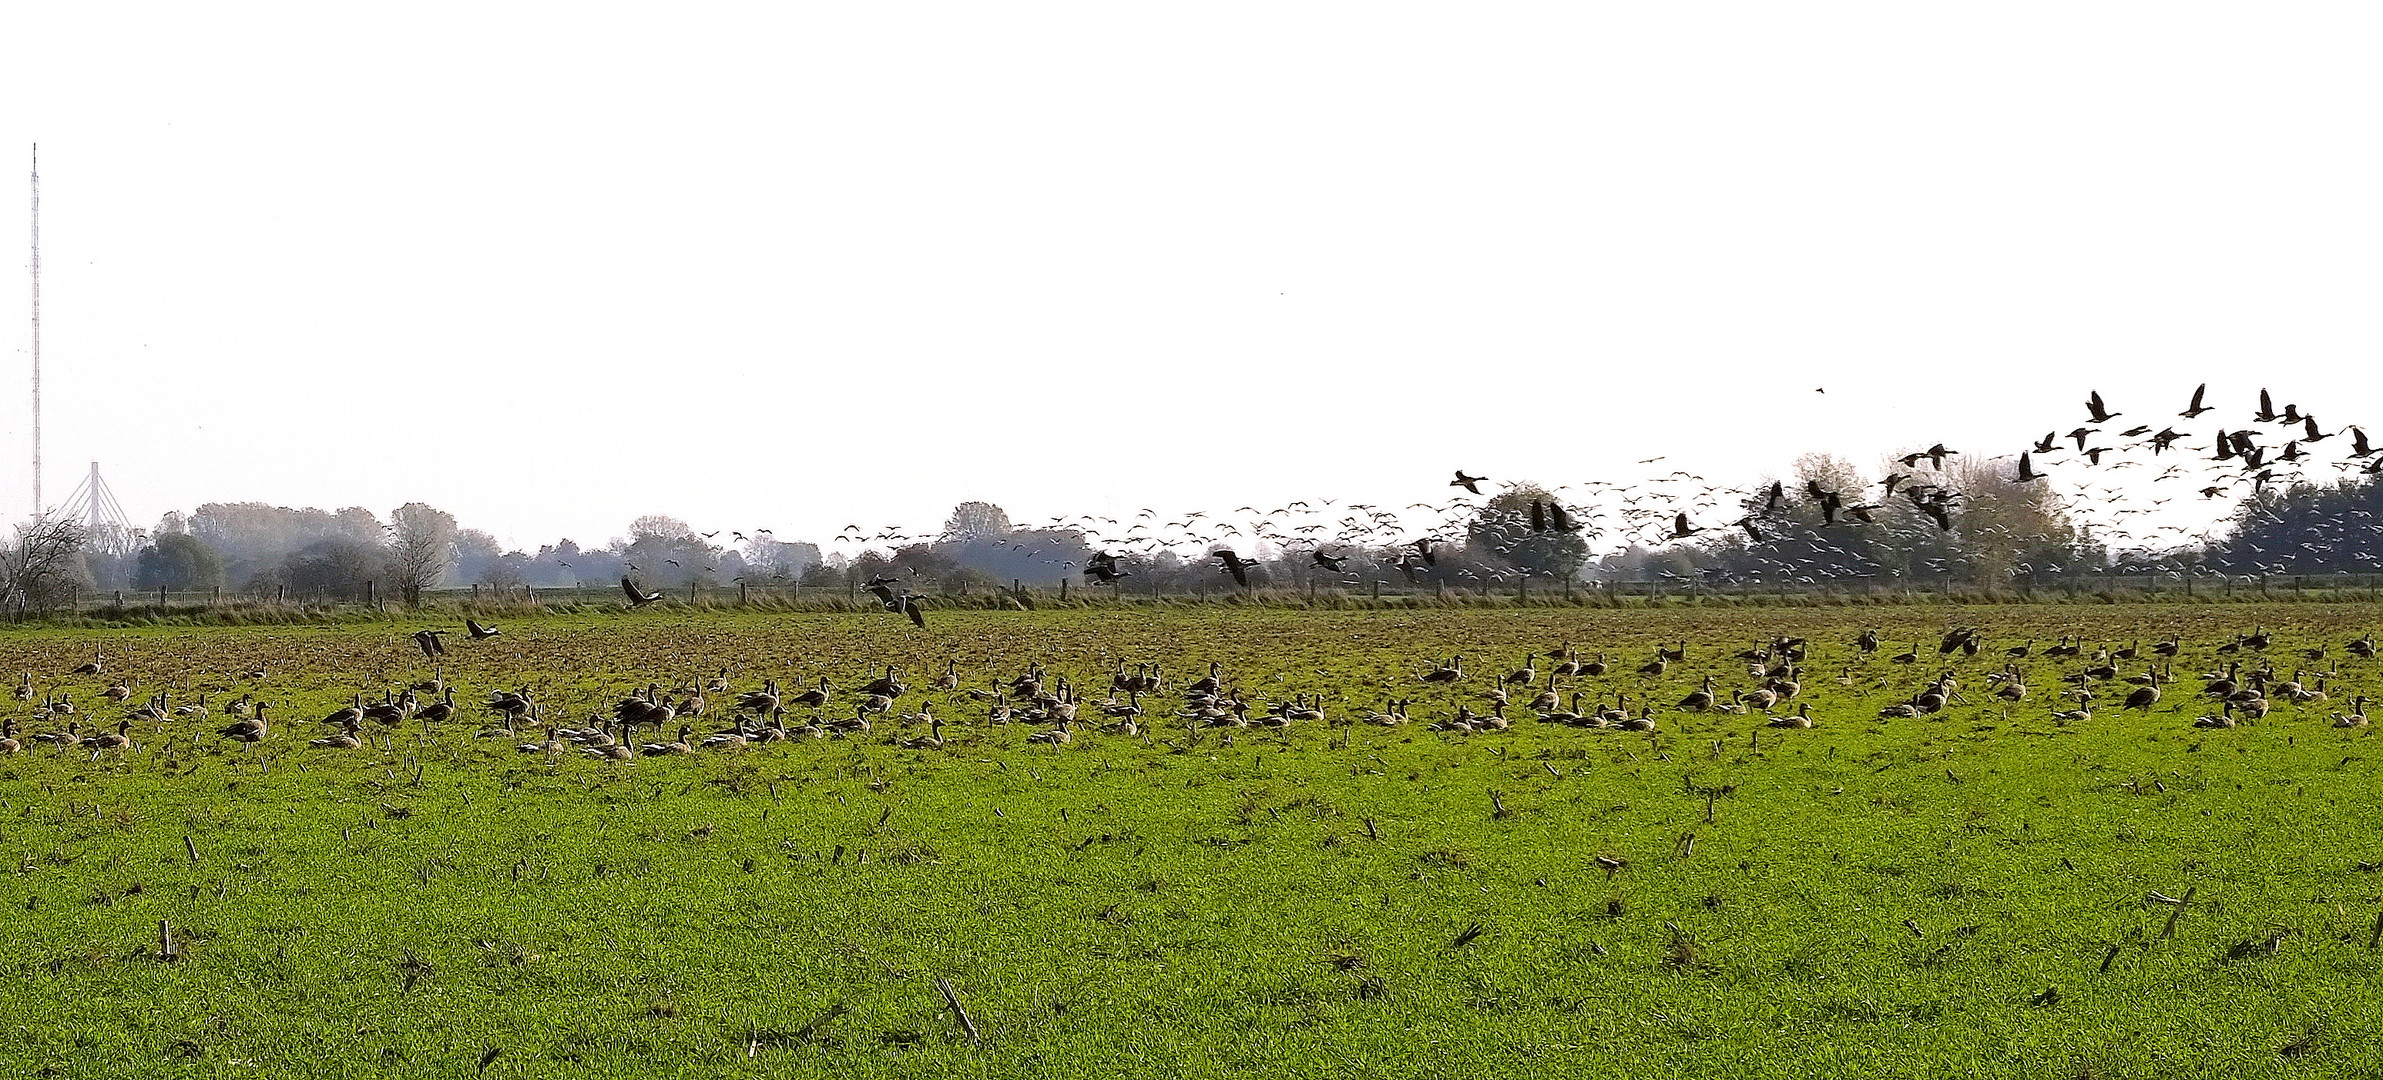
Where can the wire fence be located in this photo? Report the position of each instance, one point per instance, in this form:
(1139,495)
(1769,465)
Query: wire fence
(370,600)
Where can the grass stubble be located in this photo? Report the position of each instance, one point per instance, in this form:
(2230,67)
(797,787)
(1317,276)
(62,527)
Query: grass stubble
(1983,890)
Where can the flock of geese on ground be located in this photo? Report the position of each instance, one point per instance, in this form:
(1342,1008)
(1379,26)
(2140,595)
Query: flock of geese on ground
(1765,680)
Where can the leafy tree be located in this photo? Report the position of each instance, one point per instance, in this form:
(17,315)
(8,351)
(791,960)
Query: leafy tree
(1520,527)
(177,561)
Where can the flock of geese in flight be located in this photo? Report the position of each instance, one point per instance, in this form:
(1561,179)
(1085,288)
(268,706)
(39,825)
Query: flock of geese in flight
(2143,488)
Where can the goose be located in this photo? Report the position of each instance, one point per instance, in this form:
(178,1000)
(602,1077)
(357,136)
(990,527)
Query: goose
(2143,698)
(1056,737)
(815,697)
(616,750)
(1547,698)
(1593,669)
(119,739)
(1454,671)
(950,679)
(248,729)
(391,713)
(1525,675)
(1760,699)
(345,740)
(440,710)
(1699,699)
(98,665)
(353,714)
(766,699)
(1655,668)
(669,748)
(24,690)
(1801,719)
(10,745)
(1550,714)
(889,686)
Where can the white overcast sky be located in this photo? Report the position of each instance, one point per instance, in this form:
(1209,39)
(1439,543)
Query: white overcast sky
(802,265)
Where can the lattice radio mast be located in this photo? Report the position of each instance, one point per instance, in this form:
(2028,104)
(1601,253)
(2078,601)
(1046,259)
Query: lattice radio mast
(37,330)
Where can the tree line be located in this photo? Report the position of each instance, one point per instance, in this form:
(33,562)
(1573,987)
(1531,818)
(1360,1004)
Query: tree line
(1825,522)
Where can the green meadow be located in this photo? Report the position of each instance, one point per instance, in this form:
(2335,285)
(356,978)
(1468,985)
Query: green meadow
(1983,890)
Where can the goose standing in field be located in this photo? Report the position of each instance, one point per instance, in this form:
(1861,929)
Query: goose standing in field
(1801,719)
(1699,699)
(250,729)
(119,739)
(889,685)
(440,710)
(765,699)
(2143,698)
(814,698)
(670,748)
(619,749)
(353,714)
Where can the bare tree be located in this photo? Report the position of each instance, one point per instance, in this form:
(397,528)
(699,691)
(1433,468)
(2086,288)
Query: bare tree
(421,545)
(976,520)
(45,565)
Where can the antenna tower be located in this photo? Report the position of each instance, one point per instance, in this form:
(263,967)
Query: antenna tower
(37,331)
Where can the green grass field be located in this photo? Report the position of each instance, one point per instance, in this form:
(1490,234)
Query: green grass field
(1971,891)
